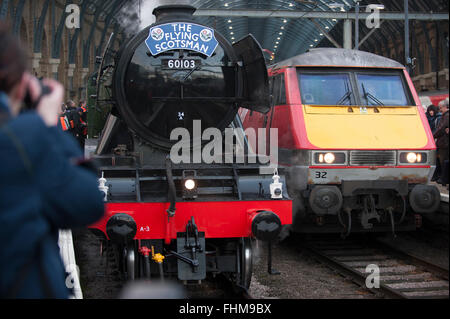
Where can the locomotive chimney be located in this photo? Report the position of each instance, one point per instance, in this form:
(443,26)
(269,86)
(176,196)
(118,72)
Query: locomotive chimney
(173,12)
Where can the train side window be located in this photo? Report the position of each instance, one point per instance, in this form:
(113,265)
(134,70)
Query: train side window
(282,91)
(278,89)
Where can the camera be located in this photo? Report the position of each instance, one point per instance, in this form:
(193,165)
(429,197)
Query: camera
(28,101)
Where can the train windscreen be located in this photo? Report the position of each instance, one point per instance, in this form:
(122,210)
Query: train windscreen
(326,89)
(381,89)
(349,87)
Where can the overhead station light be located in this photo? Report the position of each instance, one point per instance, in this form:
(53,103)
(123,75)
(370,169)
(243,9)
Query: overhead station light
(377,6)
(335,5)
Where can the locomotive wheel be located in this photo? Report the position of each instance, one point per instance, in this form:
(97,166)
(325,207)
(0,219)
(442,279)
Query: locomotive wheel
(245,263)
(130,261)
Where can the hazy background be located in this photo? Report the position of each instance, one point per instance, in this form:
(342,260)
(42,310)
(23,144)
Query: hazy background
(137,14)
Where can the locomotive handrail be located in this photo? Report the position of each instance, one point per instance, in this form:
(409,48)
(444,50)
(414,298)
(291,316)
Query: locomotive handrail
(100,69)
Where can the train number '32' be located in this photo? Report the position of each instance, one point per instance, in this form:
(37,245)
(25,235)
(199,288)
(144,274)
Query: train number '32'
(321,175)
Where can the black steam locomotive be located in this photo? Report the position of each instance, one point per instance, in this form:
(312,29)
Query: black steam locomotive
(180,207)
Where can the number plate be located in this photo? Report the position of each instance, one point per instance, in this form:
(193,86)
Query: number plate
(180,64)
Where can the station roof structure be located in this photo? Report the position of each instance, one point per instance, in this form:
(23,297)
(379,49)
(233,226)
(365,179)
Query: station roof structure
(284,27)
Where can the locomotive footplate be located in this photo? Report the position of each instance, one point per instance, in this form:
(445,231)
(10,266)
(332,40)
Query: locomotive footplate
(191,253)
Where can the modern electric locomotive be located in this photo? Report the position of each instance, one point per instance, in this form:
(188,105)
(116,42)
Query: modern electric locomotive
(354,136)
(193,217)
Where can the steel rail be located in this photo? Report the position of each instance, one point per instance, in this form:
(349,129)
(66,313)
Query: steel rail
(339,257)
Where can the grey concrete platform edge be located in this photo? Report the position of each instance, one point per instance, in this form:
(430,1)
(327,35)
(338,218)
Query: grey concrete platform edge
(67,252)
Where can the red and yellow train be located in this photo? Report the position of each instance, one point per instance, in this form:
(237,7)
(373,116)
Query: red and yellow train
(355,140)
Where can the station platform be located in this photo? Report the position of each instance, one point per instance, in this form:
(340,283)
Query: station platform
(65,242)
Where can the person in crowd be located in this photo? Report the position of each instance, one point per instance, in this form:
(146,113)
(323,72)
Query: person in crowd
(81,126)
(441,136)
(44,183)
(432,111)
(438,115)
(63,122)
(431,114)
(72,117)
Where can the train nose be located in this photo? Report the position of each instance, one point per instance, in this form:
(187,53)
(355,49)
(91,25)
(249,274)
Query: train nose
(425,198)
(326,200)
(266,226)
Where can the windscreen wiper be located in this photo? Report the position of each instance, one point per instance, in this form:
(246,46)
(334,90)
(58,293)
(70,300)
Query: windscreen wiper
(369,95)
(347,96)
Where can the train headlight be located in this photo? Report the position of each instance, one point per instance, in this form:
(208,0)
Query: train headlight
(189,184)
(329,158)
(413,158)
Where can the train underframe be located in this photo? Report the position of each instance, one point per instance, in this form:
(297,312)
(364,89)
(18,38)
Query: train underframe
(187,259)
(385,204)
(189,235)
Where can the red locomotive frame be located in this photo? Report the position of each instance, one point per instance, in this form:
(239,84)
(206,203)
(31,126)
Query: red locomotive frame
(230,219)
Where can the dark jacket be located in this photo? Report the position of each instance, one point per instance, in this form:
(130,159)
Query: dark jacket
(432,119)
(40,193)
(440,135)
(431,122)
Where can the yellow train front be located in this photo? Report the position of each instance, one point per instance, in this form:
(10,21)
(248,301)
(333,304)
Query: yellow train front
(356,141)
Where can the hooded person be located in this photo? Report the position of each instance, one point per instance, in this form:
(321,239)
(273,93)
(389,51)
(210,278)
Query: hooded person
(431,114)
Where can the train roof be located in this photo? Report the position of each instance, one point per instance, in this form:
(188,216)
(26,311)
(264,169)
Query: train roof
(338,57)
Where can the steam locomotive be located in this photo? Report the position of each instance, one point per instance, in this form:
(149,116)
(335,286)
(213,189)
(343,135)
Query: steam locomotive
(189,217)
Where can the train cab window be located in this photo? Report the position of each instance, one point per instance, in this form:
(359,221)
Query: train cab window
(278,89)
(381,89)
(326,89)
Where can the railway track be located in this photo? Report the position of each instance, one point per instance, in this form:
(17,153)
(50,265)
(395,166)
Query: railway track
(400,275)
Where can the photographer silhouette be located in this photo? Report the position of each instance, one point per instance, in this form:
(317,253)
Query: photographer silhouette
(42,189)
